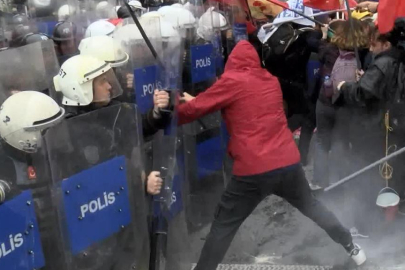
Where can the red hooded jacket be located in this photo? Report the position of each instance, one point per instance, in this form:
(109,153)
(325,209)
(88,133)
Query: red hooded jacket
(251,102)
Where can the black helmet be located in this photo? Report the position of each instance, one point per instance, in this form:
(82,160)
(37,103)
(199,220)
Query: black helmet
(18,34)
(32,38)
(397,35)
(19,19)
(123,12)
(64,31)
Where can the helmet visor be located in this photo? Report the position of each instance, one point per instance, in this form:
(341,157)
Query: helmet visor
(106,87)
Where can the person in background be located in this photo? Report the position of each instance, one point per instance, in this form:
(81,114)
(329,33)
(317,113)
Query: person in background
(378,94)
(325,110)
(346,39)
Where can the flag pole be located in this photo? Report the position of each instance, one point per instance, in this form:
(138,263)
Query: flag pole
(269,25)
(297,11)
(356,48)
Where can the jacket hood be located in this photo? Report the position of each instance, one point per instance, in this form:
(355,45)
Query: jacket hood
(243,57)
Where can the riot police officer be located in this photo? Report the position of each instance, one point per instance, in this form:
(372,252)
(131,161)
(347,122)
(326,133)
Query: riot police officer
(64,36)
(24,174)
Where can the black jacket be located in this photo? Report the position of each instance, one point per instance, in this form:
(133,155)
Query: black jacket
(152,125)
(373,95)
(379,83)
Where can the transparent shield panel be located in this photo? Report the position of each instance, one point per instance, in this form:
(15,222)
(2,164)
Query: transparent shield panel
(100,192)
(30,67)
(192,162)
(203,60)
(29,228)
(140,76)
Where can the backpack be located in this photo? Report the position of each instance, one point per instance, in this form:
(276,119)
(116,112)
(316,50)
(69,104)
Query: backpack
(283,49)
(282,38)
(344,69)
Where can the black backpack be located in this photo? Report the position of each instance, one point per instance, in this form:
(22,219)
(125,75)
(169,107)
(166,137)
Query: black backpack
(283,49)
(281,40)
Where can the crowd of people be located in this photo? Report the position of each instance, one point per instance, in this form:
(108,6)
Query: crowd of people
(353,104)
(358,114)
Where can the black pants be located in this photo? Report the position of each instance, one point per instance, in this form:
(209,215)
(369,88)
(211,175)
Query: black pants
(307,123)
(243,194)
(325,120)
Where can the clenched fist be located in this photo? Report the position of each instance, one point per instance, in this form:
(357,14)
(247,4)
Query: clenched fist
(161,99)
(154,183)
(130,80)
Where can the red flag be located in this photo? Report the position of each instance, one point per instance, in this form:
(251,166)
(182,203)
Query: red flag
(249,7)
(279,3)
(260,9)
(328,4)
(388,12)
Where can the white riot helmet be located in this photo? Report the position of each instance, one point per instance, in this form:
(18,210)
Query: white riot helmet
(177,5)
(213,19)
(180,18)
(136,4)
(104,9)
(104,48)
(24,115)
(100,28)
(41,3)
(84,79)
(65,12)
(102,5)
(209,22)
(154,20)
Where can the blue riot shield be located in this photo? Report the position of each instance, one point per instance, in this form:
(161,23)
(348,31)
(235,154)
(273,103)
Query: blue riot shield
(99,189)
(29,237)
(204,148)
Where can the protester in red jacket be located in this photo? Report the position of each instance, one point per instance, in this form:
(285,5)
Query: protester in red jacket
(266,159)
(252,107)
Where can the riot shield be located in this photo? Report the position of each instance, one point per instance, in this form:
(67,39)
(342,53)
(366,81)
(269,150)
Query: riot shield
(203,143)
(81,19)
(98,187)
(165,143)
(164,154)
(29,237)
(150,72)
(212,27)
(237,18)
(140,76)
(28,230)
(29,67)
(22,18)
